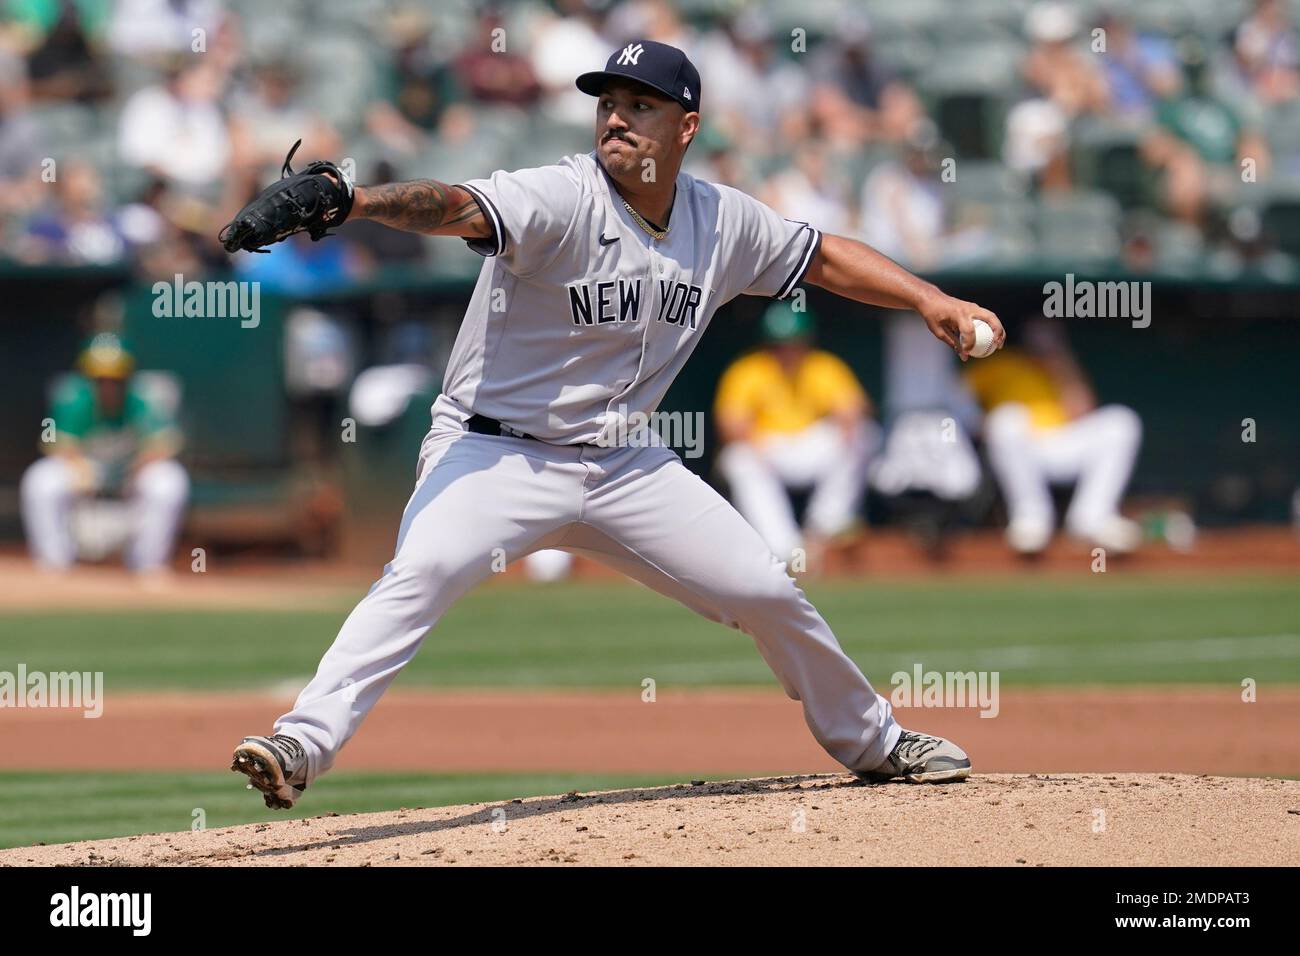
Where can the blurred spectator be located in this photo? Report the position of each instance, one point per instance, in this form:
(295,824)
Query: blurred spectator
(62,39)
(758,98)
(176,129)
(1197,142)
(904,209)
(856,98)
(1043,427)
(1064,83)
(1054,68)
(564,46)
(1264,52)
(270,116)
(1141,68)
(809,192)
(780,123)
(490,72)
(1037,143)
(20,148)
(171,233)
(791,416)
(649,20)
(116,438)
(74,229)
(141,221)
(417,88)
(156,29)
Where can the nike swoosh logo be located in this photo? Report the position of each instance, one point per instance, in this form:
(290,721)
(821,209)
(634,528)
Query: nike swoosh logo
(606,242)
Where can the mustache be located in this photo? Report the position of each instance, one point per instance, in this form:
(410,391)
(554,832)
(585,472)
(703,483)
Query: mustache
(614,134)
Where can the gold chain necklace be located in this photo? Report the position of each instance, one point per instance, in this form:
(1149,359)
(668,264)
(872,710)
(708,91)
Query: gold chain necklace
(640,221)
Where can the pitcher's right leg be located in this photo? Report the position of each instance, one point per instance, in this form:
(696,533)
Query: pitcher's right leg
(481,502)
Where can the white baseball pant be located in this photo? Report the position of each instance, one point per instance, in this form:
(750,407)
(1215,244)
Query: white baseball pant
(1096,450)
(482,498)
(821,457)
(156,496)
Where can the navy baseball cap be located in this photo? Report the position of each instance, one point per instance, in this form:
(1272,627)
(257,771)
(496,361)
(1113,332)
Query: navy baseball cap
(657,65)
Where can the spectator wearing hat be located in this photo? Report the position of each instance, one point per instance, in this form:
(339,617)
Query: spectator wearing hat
(793,417)
(113,437)
(1064,83)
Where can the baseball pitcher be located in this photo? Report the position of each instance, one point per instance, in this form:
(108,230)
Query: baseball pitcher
(601,273)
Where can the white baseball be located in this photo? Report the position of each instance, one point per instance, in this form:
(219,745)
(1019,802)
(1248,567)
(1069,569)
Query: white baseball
(983,347)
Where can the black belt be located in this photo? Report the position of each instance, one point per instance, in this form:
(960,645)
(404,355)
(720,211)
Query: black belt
(482,425)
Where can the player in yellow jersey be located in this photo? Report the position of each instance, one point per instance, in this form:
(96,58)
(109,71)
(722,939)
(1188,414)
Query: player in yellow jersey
(794,417)
(1043,427)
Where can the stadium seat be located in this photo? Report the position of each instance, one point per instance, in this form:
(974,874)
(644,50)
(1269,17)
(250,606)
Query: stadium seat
(1179,248)
(1282,215)
(986,181)
(1171,17)
(854,166)
(968,90)
(1105,156)
(340,77)
(1078,227)
(908,54)
(1283,129)
(64,125)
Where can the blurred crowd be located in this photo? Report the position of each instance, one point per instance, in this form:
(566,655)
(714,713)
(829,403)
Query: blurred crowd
(1160,136)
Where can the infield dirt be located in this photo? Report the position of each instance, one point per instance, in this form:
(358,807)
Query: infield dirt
(995,819)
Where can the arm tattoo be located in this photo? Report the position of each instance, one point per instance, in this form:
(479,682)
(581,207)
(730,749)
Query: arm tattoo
(424,205)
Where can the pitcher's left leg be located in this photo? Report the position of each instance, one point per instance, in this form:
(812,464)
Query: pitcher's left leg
(692,540)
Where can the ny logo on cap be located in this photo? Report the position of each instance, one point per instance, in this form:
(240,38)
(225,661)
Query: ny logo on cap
(631,53)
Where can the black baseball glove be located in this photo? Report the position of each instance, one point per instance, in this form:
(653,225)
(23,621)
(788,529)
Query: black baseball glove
(307,201)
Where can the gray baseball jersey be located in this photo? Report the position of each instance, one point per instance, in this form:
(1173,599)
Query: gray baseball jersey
(578,311)
(580,318)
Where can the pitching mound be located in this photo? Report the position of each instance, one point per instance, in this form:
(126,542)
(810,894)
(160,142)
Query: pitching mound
(1033,820)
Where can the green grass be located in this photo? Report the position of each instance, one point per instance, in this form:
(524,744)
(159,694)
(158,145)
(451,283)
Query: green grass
(66,806)
(1103,628)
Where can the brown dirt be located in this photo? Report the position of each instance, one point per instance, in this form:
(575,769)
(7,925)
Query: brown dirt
(1069,733)
(737,732)
(1035,820)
